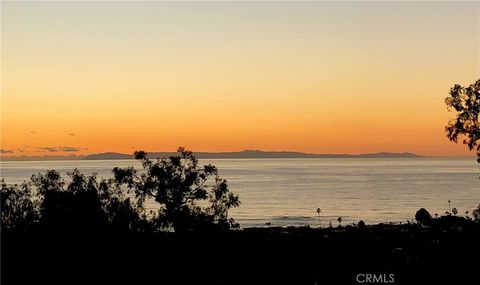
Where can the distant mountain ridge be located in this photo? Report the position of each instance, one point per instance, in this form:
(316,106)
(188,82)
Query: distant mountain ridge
(255,154)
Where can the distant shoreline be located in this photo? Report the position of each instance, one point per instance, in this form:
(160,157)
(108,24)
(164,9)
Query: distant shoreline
(130,157)
(246,154)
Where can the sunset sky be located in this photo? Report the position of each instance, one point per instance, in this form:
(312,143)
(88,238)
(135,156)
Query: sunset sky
(349,77)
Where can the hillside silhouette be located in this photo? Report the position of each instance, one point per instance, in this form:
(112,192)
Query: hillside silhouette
(256,154)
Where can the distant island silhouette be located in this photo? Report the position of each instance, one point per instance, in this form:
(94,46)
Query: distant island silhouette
(256,154)
(213,155)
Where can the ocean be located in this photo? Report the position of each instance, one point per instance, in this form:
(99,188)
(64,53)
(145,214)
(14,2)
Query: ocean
(287,192)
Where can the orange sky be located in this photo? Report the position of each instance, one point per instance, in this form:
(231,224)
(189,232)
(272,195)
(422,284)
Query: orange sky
(350,77)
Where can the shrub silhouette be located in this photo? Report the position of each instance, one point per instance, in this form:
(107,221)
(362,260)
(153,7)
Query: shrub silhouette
(422,216)
(190,197)
(87,203)
(361,225)
(19,209)
(82,204)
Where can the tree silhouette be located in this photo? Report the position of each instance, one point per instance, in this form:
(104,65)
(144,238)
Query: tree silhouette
(339,221)
(454,211)
(19,211)
(83,204)
(319,221)
(361,225)
(476,213)
(190,197)
(465,101)
(422,216)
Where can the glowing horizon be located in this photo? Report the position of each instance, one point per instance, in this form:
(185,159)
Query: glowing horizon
(317,77)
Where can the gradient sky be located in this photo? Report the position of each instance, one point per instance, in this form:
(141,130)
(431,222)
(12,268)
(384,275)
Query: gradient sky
(349,77)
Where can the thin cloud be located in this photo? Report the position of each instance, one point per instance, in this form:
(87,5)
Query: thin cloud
(72,134)
(60,149)
(6,150)
(31,133)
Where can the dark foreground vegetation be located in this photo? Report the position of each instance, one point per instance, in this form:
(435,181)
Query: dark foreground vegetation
(444,253)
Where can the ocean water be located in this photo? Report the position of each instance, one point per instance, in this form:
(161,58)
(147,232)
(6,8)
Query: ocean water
(287,192)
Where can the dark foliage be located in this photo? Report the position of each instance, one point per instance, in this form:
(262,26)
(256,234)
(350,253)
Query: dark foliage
(416,255)
(18,206)
(84,204)
(476,214)
(465,101)
(423,216)
(190,197)
(361,225)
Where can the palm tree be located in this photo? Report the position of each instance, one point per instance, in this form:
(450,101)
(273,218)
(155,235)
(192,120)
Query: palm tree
(476,213)
(339,221)
(454,211)
(319,221)
(449,208)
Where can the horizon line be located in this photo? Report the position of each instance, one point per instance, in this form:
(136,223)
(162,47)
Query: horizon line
(74,155)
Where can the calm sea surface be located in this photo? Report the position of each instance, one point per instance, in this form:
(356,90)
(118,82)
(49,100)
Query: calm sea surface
(288,191)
